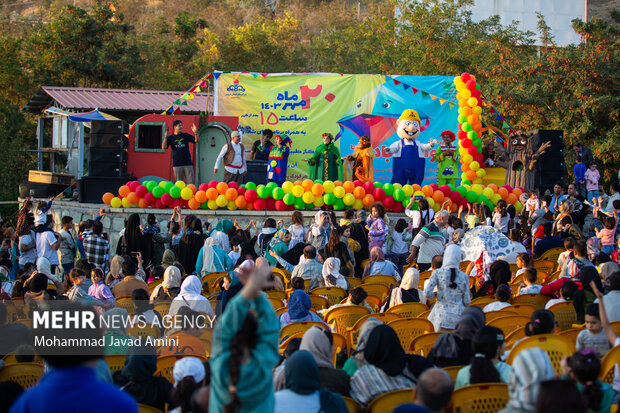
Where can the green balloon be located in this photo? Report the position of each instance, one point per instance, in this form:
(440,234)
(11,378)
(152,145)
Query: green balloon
(477,142)
(461,190)
(262,191)
(398,195)
(175,192)
(388,188)
(318,181)
(299,203)
(483,199)
(288,199)
(414,207)
(250,185)
(309,206)
(378,185)
(329,199)
(272,185)
(168,186)
(150,185)
(204,205)
(471,196)
(339,204)
(158,191)
(466,182)
(163,183)
(277,193)
(462,118)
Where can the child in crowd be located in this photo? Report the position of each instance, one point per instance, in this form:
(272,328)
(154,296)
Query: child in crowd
(157,273)
(39,216)
(399,250)
(151,228)
(268,231)
(594,336)
(501,219)
(99,290)
(585,368)
(502,295)
(607,235)
(569,244)
(523,261)
(377,229)
(579,170)
(529,278)
(592,176)
(352,245)
(567,293)
(532,204)
(235,252)
(297,229)
(489,346)
(475,216)
(349,216)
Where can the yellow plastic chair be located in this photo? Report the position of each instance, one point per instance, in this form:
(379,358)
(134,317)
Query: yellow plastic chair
(553,277)
(127,304)
(353,406)
(424,315)
(374,302)
(146,331)
(463,265)
(453,371)
(10,359)
(571,334)
(492,315)
(384,279)
(209,280)
(115,362)
(364,263)
(550,255)
(408,310)
(354,282)
(318,302)
(480,398)
(522,309)
(607,364)
(509,323)
(25,321)
(546,265)
(281,311)
(408,329)
(154,284)
(513,337)
(564,314)
(277,294)
(206,336)
(333,294)
(143,408)
(162,307)
(353,332)
(340,344)
(423,344)
(387,402)
(341,318)
(424,275)
(556,346)
(25,374)
(537,300)
(275,302)
(377,289)
(298,327)
(165,365)
(483,301)
(615,325)
(284,275)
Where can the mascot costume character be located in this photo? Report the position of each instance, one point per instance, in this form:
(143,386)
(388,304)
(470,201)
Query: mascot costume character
(362,160)
(325,164)
(522,155)
(448,159)
(278,159)
(407,155)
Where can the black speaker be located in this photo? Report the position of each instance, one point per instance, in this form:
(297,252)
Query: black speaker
(92,188)
(107,169)
(108,155)
(111,127)
(39,190)
(257,172)
(108,141)
(551,166)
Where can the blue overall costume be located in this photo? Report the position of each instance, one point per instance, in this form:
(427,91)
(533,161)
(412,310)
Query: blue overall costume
(408,167)
(277,164)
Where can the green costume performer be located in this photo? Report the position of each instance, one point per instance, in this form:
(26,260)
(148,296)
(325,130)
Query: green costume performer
(325,163)
(447,157)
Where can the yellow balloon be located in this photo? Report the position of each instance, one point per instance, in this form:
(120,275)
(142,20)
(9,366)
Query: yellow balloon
(298,191)
(408,190)
(358,204)
(328,186)
(116,202)
(431,202)
(287,187)
(477,110)
(474,166)
(349,199)
(211,204)
(465,93)
(436,207)
(459,97)
(186,194)
(478,180)
(463,152)
(481,173)
(396,186)
(472,102)
(468,158)
(221,201)
(180,184)
(318,201)
(518,206)
(125,203)
(231,205)
(477,188)
(308,197)
(339,192)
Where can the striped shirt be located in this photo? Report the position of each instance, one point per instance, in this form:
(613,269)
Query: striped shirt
(370,381)
(430,242)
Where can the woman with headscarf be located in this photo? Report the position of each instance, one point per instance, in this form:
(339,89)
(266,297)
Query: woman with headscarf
(331,274)
(116,321)
(379,265)
(530,368)
(37,284)
(407,291)
(220,234)
(169,288)
(278,246)
(452,291)
(190,245)
(299,306)
(338,249)
(137,378)
(357,359)
(499,273)
(320,343)
(190,296)
(303,392)
(455,349)
(115,275)
(133,240)
(389,367)
(320,230)
(212,258)
(168,258)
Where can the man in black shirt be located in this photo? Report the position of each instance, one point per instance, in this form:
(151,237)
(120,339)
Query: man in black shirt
(181,159)
(260,149)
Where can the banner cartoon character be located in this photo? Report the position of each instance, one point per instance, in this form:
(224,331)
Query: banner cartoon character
(448,159)
(407,155)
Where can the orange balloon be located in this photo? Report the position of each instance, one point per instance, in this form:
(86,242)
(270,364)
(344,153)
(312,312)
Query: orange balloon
(471,175)
(132,198)
(297,183)
(518,192)
(307,185)
(368,200)
(338,183)
(221,187)
(124,191)
(192,187)
(193,204)
(317,189)
(212,194)
(428,191)
(454,207)
(231,194)
(142,203)
(478,128)
(201,196)
(438,196)
(359,192)
(107,198)
(241,202)
(465,167)
(249,206)
(467,110)
(416,187)
(511,199)
(349,187)
(493,187)
(503,192)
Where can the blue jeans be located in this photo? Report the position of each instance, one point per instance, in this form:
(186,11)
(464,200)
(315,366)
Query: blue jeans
(607,249)
(592,194)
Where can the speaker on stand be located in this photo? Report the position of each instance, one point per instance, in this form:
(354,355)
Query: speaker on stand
(551,166)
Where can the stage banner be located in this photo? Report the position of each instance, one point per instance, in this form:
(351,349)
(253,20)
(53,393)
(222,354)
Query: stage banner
(304,106)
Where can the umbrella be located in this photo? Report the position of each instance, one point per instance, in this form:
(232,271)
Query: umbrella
(92,115)
(485,238)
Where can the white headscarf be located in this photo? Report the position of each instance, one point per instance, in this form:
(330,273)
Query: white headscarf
(209,256)
(190,297)
(331,267)
(44,267)
(172,279)
(452,257)
(318,217)
(409,282)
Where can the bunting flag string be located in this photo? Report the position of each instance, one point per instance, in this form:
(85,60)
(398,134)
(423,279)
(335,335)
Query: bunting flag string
(189,94)
(498,116)
(416,90)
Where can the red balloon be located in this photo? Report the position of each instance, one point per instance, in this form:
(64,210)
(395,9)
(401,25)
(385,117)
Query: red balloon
(270,204)
(291,207)
(379,194)
(233,184)
(479,158)
(446,190)
(508,188)
(133,185)
(159,204)
(203,187)
(389,202)
(212,184)
(465,77)
(141,191)
(166,199)
(398,207)
(280,205)
(259,204)
(471,84)
(455,196)
(466,142)
(435,187)
(475,93)
(368,187)
(251,195)
(178,202)
(241,190)
(150,198)
(461,135)
(472,150)
(357,182)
